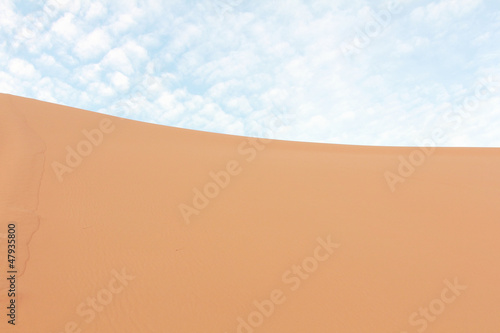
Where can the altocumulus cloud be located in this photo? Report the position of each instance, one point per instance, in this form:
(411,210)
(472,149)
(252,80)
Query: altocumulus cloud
(227,66)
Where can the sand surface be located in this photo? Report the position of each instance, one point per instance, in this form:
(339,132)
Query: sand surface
(122,226)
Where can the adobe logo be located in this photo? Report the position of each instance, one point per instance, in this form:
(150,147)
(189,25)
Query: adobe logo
(75,156)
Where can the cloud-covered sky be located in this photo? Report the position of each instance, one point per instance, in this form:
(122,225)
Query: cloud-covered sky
(397,73)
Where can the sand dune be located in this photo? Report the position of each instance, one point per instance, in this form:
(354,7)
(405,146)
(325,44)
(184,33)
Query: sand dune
(122,226)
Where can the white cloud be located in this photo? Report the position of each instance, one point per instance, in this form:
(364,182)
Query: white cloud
(8,17)
(444,8)
(117,60)
(93,45)
(123,23)
(66,28)
(186,35)
(99,90)
(238,105)
(135,51)
(47,60)
(89,73)
(95,11)
(22,69)
(8,84)
(119,81)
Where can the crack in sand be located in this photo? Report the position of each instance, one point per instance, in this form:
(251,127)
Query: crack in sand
(22,162)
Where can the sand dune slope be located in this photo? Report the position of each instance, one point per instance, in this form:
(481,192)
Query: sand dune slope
(122,226)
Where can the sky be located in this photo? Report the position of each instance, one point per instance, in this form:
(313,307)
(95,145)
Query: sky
(390,73)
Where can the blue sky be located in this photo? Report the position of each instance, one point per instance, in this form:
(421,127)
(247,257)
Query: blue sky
(394,73)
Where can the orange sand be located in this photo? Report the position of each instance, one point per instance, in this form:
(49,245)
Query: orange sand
(124,226)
